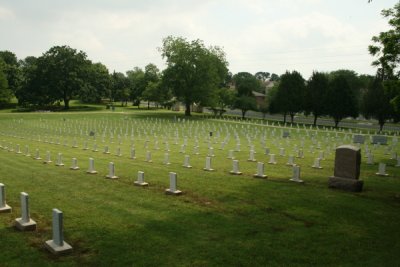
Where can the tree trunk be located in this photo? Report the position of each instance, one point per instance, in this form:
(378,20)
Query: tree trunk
(148,104)
(336,122)
(284,117)
(315,120)
(66,103)
(381,123)
(243,113)
(291,117)
(187,109)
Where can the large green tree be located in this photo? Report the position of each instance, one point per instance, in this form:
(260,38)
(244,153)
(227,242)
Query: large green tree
(193,70)
(386,47)
(341,99)
(376,103)
(246,83)
(5,93)
(97,85)
(137,85)
(61,73)
(315,95)
(289,97)
(11,70)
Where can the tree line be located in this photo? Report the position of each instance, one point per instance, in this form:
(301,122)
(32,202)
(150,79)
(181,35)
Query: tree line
(198,75)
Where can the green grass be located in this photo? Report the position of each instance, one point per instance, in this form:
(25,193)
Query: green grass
(220,220)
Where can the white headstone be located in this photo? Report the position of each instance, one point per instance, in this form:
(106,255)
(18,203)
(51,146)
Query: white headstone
(173,181)
(111,171)
(48,158)
(4,208)
(260,171)
(186,162)
(230,154)
(74,165)
(91,169)
(25,223)
(208,164)
(317,163)
(57,245)
(272,159)
(59,161)
(251,156)
(296,174)
(290,161)
(235,167)
(140,179)
(148,156)
(382,170)
(370,159)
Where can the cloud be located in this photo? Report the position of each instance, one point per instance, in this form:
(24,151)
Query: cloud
(6,14)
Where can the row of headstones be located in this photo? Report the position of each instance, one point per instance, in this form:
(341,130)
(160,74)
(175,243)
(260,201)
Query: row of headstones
(272,160)
(57,245)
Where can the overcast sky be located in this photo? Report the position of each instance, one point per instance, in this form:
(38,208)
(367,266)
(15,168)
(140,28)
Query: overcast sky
(257,35)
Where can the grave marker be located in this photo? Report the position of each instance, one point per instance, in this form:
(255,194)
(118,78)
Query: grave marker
(111,171)
(140,179)
(260,171)
(57,245)
(235,169)
(347,169)
(4,208)
(172,190)
(25,223)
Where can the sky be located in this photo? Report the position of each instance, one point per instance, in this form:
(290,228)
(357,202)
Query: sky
(256,35)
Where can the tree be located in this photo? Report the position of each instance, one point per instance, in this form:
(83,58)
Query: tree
(387,46)
(98,84)
(262,75)
(290,94)
(376,103)
(315,95)
(119,88)
(137,85)
(341,100)
(152,84)
(274,77)
(223,98)
(193,71)
(246,83)
(11,70)
(5,92)
(245,103)
(61,72)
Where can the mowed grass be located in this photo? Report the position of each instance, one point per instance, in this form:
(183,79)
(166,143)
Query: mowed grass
(220,220)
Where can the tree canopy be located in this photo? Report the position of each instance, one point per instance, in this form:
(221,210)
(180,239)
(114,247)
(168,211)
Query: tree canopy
(193,70)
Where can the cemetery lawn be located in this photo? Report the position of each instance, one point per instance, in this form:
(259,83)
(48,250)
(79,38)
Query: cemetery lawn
(219,220)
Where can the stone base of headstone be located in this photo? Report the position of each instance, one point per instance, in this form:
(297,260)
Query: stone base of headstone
(59,164)
(56,249)
(74,168)
(382,174)
(345,184)
(260,176)
(111,177)
(137,183)
(91,172)
(296,180)
(210,170)
(25,226)
(5,209)
(170,192)
(235,173)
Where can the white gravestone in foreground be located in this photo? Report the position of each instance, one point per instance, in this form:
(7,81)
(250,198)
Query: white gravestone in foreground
(173,180)
(57,245)
(25,223)
(140,179)
(74,165)
(382,170)
(111,171)
(296,174)
(260,171)
(91,169)
(4,208)
(208,164)
(235,168)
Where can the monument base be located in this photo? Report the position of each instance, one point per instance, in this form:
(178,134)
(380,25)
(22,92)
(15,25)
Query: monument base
(170,192)
(346,184)
(56,249)
(111,177)
(137,183)
(5,209)
(25,226)
(260,176)
(235,173)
